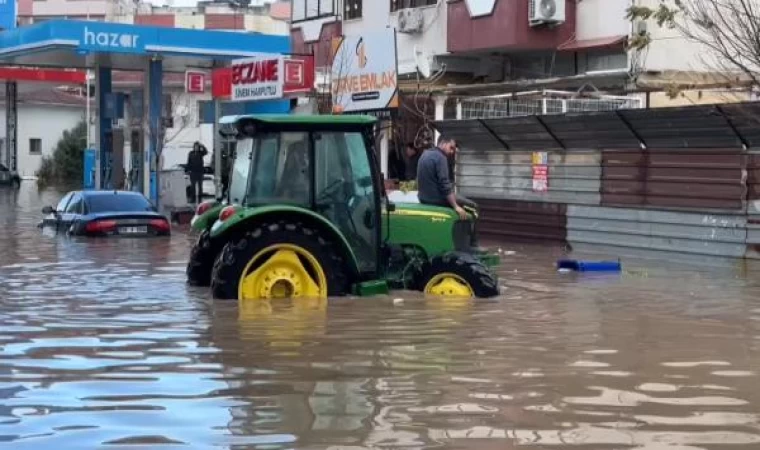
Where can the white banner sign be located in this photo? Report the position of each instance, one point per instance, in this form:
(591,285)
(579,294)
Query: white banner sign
(364,72)
(258,78)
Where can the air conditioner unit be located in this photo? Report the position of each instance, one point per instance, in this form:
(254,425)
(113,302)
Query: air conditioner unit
(546,12)
(410,20)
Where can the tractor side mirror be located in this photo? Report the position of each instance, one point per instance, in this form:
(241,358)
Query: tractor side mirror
(48,210)
(391,207)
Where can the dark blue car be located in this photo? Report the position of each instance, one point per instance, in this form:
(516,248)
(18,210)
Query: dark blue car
(106,213)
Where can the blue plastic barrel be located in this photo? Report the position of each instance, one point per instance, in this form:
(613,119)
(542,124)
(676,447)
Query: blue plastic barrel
(589,266)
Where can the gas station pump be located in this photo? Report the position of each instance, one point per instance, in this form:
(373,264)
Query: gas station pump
(135,179)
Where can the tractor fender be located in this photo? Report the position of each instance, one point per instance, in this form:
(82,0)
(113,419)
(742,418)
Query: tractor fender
(207,219)
(247,217)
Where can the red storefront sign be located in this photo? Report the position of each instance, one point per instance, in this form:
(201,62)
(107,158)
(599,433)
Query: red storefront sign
(298,75)
(195,82)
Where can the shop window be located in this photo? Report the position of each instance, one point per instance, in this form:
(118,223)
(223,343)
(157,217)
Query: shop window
(353,9)
(35,146)
(403,4)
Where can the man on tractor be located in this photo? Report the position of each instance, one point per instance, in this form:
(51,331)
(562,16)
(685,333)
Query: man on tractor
(434,186)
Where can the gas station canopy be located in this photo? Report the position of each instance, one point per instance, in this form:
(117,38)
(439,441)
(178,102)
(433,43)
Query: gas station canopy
(104,46)
(83,44)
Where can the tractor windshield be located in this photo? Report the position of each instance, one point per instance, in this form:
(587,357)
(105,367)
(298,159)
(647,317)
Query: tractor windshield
(240,169)
(280,172)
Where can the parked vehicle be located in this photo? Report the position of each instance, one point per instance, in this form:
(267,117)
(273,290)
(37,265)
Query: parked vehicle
(306,216)
(9,178)
(106,213)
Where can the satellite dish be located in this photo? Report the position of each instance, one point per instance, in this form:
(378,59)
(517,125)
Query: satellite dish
(422,62)
(548,8)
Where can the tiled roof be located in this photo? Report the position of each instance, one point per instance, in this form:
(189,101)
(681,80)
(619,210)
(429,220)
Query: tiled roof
(280,10)
(48,96)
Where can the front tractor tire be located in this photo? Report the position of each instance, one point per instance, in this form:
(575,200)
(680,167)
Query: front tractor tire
(201,261)
(458,275)
(279,260)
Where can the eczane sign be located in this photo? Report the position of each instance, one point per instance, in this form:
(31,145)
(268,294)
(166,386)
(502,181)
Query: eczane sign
(258,78)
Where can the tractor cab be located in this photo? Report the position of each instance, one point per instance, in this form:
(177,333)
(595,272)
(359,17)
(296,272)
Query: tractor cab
(324,168)
(306,216)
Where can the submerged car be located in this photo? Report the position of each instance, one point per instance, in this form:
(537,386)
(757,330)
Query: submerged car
(106,213)
(9,177)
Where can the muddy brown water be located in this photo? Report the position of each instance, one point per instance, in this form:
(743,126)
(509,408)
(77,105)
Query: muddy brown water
(102,345)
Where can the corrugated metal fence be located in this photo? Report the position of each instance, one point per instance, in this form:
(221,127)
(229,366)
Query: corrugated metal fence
(702,178)
(677,181)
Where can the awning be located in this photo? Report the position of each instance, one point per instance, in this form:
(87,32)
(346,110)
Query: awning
(590,44)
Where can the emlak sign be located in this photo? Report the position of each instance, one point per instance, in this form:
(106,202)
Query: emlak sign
(265,77)
(364,72)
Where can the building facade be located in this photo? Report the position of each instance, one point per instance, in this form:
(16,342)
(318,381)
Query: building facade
(482,47)
(43,115)
(259,16)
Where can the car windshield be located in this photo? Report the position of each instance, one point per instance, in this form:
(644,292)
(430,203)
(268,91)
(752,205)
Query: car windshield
(118,203)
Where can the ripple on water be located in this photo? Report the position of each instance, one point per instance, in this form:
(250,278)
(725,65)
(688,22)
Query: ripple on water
(103,344)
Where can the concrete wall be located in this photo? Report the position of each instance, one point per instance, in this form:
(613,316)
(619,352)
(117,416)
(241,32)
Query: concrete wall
(602,18)
(670,50)
(43,122)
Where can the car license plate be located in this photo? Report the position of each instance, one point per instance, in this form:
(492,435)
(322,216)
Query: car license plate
(133,230)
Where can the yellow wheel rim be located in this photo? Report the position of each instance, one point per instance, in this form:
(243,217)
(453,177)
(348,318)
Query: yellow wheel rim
(280,271)
(448,285)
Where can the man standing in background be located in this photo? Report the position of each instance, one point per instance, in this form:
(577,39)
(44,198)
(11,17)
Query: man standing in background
(195,169)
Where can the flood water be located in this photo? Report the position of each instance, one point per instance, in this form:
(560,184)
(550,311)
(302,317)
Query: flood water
(103,345)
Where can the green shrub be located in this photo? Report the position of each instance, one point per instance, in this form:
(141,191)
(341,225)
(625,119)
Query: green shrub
(66,165)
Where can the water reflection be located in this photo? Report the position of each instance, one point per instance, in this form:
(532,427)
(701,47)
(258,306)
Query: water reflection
(103,343)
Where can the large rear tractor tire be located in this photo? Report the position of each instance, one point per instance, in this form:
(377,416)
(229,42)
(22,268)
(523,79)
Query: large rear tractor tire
(279,260)
(201,262)
(458,275)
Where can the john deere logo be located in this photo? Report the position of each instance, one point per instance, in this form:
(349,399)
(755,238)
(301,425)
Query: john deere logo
(361,53)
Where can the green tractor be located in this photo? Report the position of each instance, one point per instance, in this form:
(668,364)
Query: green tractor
(306,216)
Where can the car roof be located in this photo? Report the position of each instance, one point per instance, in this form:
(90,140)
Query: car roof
(307,119)
(100,193)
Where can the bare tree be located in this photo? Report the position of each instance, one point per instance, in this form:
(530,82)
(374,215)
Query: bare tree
(340,63)
(181,117)
(729,31)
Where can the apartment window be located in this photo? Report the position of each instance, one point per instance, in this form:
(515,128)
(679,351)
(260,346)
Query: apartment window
(403,4)
(35,146)
(311,9)
(353,9)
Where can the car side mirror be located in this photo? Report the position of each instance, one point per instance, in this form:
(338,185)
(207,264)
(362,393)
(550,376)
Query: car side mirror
(48,210)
